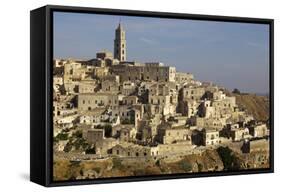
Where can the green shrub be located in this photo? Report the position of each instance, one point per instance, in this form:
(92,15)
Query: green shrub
(90,151)
(62,136)
(228,158)
(107,129)
(78,134)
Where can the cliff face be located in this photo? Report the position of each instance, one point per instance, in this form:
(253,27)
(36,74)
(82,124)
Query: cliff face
(207,161)
(256,105)
(221,159)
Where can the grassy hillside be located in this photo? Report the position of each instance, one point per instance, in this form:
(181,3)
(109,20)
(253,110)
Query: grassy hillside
(256,105)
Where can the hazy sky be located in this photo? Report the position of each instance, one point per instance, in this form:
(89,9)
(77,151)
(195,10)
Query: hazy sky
(234,55)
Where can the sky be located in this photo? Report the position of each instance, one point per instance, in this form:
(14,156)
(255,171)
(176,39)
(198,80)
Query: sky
(232,55)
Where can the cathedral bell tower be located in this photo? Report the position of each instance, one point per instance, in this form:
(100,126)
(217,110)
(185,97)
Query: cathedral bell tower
(120,44)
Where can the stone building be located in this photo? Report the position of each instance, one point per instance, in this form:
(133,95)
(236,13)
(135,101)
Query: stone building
(100,72)
(183,78)
(87,86)
(110,86)
(93,136)
(132,150)
(211,123)
(128,88)
(211,137)
(192,93)
(238,134)
(174,150)
(104,55)
(73,71)
(168,135)
(130,100)
(104,146)
(93,117)
(144,72)
(224,106)
(97,100)
(148,127)
(188,107)
(259,130)
(126,113)
(58,80)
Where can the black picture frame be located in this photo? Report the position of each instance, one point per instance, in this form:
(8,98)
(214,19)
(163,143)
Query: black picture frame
(41,55)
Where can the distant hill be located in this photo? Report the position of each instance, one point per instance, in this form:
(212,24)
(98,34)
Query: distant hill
(256,105)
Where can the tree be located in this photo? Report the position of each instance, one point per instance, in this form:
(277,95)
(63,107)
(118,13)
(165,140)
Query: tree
(107,129)
(90,151)
(230,162)
(62,136)
(236,91)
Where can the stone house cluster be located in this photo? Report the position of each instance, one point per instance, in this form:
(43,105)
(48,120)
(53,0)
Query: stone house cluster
(149,109)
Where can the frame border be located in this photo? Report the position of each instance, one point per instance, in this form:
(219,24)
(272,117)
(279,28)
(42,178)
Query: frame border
(46,158)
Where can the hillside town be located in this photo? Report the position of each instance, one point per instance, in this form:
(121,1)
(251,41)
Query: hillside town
(108,107)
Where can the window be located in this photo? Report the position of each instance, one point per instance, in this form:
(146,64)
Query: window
(129,154)
(144,154)
(117,152)
(137,154)
(83,101)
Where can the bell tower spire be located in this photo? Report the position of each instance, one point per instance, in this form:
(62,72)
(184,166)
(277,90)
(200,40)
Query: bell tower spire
(120,51)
